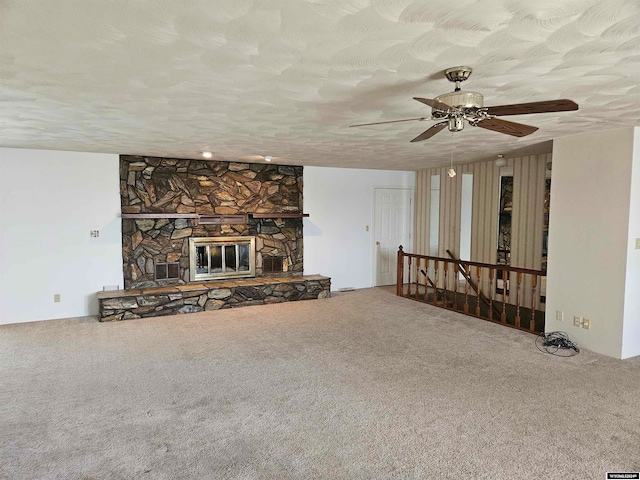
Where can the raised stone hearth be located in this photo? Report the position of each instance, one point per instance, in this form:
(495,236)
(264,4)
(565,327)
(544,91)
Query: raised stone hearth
(205,296)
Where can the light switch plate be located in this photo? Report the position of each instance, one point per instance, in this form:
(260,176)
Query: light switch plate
(637,243)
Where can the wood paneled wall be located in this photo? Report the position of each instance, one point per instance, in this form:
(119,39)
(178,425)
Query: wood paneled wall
(527,215)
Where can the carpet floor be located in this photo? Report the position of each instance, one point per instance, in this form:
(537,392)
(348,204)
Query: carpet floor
(362,385)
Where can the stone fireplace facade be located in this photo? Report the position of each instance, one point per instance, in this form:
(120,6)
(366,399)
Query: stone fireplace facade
(151,187)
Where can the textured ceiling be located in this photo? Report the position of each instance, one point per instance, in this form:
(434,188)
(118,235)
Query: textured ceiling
(246,78)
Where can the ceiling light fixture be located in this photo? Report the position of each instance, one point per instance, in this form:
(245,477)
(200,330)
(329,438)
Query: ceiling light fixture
(501,161)
(207,154)
(451,172)
(267,158)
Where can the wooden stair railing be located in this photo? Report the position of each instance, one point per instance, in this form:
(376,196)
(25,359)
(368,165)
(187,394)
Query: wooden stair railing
(470,281)
(509,314)
(433,285)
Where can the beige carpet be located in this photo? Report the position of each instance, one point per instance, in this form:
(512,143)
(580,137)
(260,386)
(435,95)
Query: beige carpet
(362,385)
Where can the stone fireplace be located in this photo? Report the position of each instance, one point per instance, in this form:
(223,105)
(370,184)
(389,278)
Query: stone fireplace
(204,235)
(167,204)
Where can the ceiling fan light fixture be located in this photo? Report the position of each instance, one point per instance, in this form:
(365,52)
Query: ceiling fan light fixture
(501,161)
(451,172)
(456,124)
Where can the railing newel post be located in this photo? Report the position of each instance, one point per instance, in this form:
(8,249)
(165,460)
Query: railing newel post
(400,272)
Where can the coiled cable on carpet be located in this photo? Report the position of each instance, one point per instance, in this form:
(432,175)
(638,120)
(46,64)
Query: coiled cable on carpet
(556,343)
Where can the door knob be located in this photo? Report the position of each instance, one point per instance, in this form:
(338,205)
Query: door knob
(377,243)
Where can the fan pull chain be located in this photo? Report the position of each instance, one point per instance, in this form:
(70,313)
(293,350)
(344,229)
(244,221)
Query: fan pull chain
(451,172)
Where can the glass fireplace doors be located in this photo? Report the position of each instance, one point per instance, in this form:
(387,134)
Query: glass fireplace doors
(221,257)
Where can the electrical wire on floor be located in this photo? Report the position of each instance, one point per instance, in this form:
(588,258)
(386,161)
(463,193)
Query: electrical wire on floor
(556,343)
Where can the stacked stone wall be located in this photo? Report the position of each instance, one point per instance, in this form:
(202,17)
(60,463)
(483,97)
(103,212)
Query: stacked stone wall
(168,186)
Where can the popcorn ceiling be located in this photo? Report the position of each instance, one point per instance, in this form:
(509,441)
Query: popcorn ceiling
(247,78)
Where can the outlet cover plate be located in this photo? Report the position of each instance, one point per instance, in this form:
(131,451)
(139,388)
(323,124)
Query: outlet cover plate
(577,321)
(586,323)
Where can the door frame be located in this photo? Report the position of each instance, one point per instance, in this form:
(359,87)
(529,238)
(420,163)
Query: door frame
(409,246)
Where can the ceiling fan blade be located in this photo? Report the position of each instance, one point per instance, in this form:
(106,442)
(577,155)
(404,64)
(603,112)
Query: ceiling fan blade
(504,126)
(391,121)
(563,105)
(438,105)
(430,132)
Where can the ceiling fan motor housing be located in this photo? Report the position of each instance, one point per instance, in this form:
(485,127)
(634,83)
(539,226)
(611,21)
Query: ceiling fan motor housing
(465,101)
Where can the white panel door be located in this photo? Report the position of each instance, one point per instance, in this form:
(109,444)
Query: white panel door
(392,228)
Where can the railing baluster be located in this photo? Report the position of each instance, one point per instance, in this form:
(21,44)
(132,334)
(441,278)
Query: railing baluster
(454,278)
(444,292)
(409,276)
(418,264)
(431,268)
(491,273)
(436,265)
(534,285)
(466,288)
(503,317)
(518,288)
(478,275)
(425,274)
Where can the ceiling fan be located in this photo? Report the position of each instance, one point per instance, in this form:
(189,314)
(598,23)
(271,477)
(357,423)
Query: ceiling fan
(452,109)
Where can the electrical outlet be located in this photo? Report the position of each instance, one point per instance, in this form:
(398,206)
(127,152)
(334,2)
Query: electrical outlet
(577,321)
(559,315)
(586,323)
(94,233)
(56,297)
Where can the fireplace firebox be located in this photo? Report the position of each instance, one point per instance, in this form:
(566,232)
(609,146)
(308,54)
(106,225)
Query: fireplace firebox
(213,258)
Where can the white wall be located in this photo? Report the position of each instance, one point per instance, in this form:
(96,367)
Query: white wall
(589,237)
(340,204)
(49,201)
(631,328)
